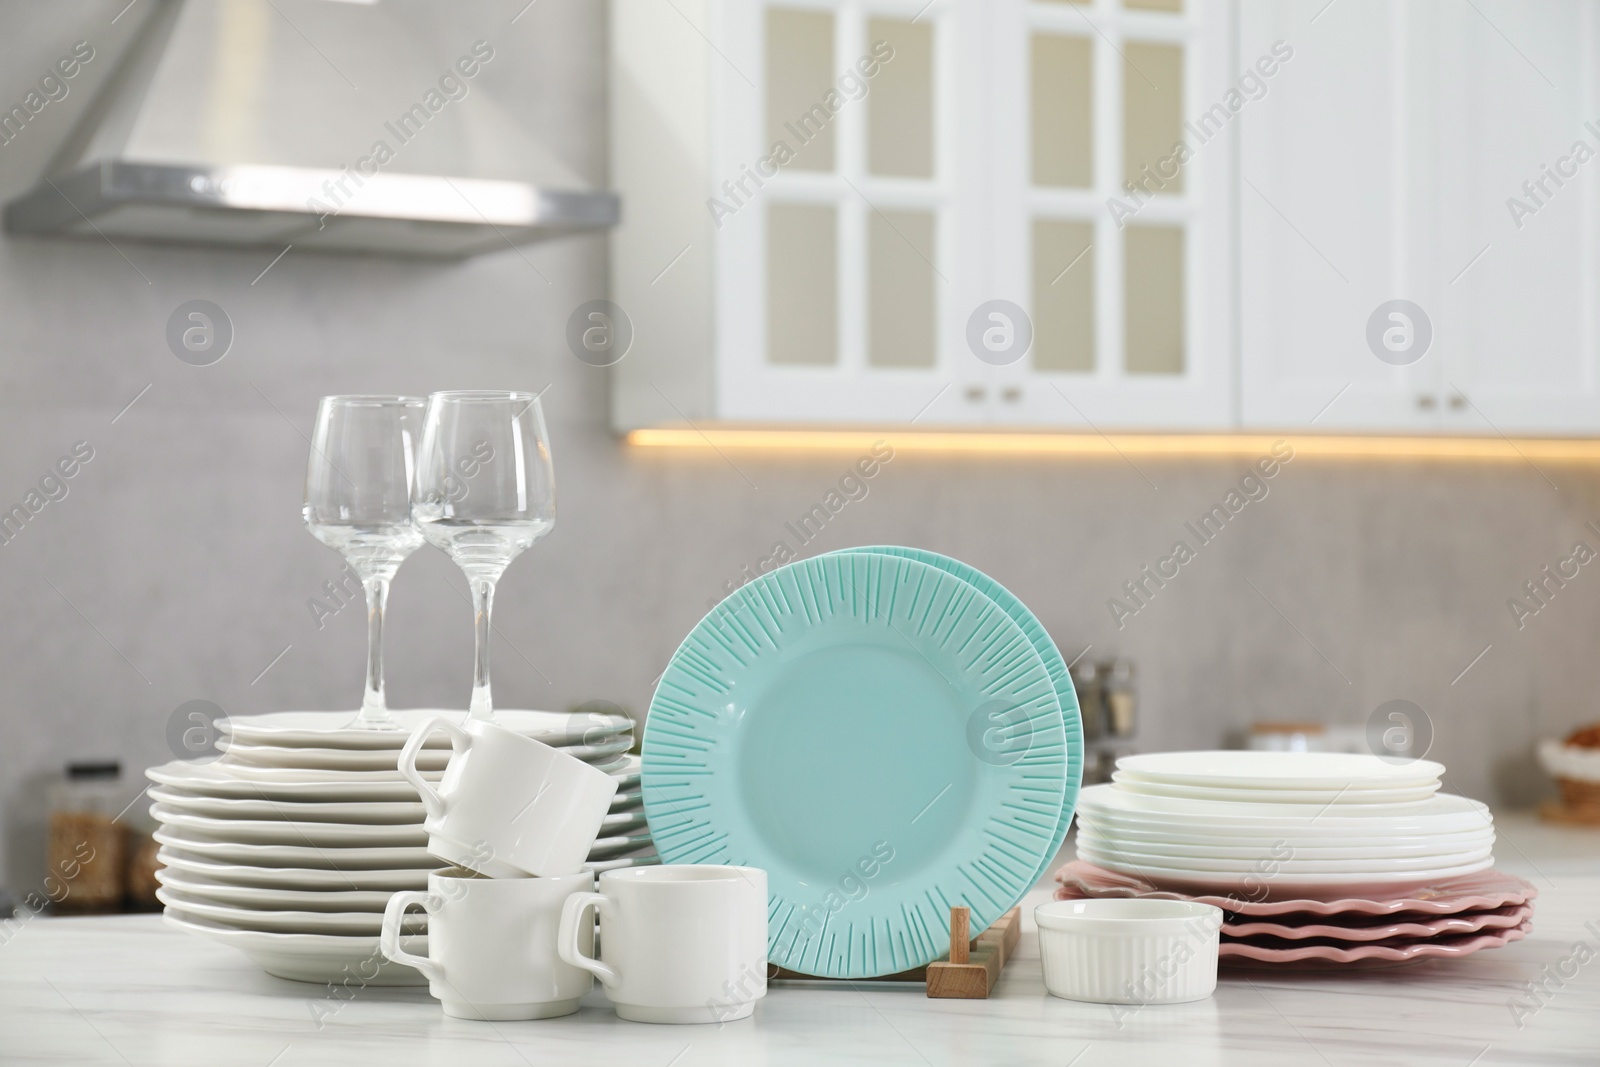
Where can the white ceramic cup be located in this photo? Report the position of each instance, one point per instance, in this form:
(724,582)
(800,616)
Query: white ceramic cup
(508,805)
(492,944)
(1117,951)
(679,943)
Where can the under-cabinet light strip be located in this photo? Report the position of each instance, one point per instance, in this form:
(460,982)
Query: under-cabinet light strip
(1142,444)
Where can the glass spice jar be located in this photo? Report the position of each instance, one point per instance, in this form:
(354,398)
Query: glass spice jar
(1121,706)
(86,852)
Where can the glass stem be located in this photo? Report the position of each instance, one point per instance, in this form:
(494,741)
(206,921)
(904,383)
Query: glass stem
(373,706)
(482,706)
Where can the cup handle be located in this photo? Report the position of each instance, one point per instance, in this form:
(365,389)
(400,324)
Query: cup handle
(389,938)
(569,944)
(432,803)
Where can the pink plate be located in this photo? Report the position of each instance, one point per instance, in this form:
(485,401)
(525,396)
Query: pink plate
(1469,892)
(1272,950)
(1354,927)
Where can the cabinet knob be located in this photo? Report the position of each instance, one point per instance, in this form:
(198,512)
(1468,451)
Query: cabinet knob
(1011,394)
(975,393)
(1458,402)
(1427,402)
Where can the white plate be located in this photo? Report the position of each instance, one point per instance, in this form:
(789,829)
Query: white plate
(321,958)
(285,922)
(617,863)
(373,813)
(290,832)
(617,844)
(625,769)
(357,759)
(376,813)
(216,891)
(619,823)
(1284,860)
(301,879)
(1313,886)
(1351,846)
(315,776)
(1237,769)
(330,729)
(328,759)
(332,858)
(210,779)
(1442,811)
(1337,798)
(1304,834)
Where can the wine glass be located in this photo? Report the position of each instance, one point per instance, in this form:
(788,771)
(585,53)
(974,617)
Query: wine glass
(486,491)
(359,483)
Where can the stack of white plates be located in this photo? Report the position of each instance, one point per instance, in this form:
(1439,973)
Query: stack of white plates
(289,846)
(1265,825)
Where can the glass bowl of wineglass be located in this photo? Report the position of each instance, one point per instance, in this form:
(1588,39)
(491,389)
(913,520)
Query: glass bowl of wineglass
(360,480)
(486,492)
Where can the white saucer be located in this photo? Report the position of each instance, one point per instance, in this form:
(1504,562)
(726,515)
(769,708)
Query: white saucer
(320,958)
(373,813)
(287,922)
(362,759)
(331,729)
(290,832)
(223,802)
(216,891)
(617,844)
(317,776)
(328,759)
(625,769)
(333,857)
(213,780)
(299,879)
(617,863)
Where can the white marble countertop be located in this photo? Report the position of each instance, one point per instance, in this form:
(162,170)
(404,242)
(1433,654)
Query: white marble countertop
(129,990)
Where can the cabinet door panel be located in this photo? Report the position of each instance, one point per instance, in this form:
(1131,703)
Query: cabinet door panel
(1518,151)
(1327,228)
(1427,152)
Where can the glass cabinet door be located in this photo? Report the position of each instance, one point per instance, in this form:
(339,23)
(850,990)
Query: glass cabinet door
(843,256)
(908,183)
(1112,225)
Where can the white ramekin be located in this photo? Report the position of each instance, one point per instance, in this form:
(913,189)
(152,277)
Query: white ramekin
(1129,951)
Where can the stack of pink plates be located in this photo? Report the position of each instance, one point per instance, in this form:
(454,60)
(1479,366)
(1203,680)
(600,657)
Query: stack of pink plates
(1455,917)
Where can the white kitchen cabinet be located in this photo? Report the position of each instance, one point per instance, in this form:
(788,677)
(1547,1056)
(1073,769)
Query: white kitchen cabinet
(974,163)
(1338,158)
(1380,167)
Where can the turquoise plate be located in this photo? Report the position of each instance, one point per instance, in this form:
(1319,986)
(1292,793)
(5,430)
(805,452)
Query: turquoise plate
(1043,644)
(828,723)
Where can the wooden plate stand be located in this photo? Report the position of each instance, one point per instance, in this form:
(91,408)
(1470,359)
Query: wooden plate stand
(970,970)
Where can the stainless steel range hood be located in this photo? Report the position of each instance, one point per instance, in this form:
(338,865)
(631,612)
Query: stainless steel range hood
(338,126)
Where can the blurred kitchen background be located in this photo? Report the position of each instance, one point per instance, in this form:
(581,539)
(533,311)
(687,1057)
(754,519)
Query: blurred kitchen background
(176,567)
